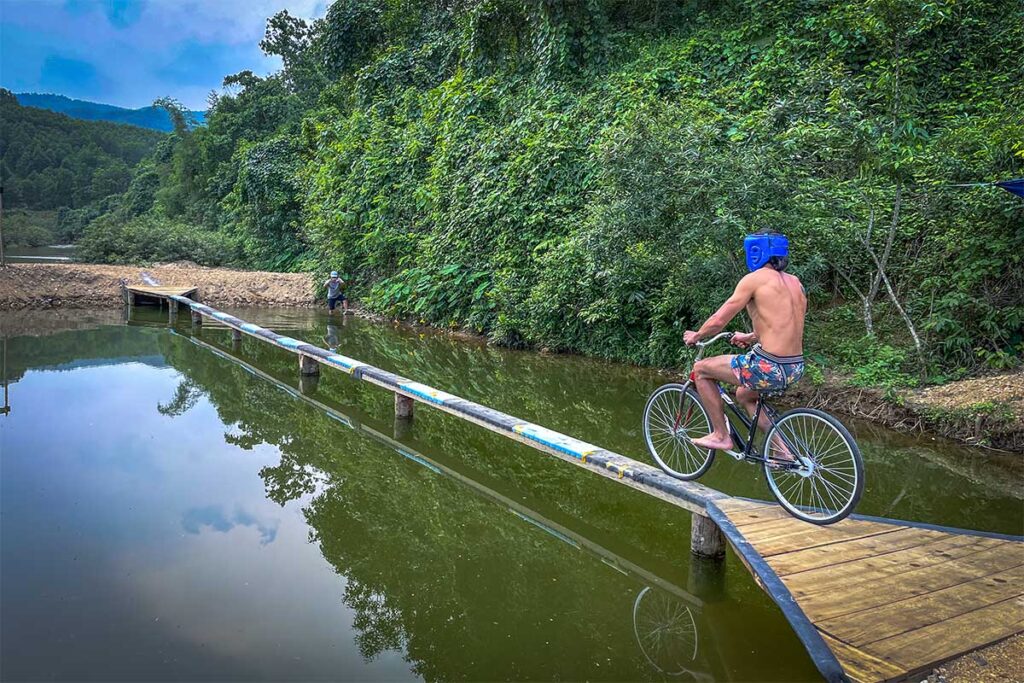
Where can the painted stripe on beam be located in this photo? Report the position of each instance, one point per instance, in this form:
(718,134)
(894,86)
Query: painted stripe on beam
(344,362)
(560,442)
(253,329)
(288,342)
(427,393)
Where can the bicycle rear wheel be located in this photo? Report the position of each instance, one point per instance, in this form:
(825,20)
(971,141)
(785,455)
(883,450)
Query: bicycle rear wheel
(826,487)
(672,418)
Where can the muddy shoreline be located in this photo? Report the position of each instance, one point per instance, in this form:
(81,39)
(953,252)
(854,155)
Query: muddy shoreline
(983,411)
(78,285)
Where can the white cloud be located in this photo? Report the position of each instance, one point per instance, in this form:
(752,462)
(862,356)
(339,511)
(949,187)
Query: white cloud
(136,58)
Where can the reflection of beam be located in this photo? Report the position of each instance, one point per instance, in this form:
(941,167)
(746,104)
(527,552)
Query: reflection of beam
(535,518)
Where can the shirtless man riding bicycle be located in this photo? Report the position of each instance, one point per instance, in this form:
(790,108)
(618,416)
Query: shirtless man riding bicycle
(776,303)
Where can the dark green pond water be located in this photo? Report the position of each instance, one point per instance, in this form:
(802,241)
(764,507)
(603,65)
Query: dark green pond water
(172,507)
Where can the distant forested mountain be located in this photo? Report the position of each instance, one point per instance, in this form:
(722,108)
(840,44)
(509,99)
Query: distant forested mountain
(144,117)
(50,161)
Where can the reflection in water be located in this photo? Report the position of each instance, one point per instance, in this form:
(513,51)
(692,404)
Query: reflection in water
(663,616)
(227,521)
(666,632)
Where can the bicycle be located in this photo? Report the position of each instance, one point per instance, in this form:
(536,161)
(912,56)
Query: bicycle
(821,484)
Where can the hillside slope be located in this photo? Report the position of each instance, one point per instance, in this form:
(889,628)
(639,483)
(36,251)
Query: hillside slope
(579,175)
(50,160)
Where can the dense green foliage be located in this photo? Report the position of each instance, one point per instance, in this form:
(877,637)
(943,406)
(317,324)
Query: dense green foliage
(579,174)
(113,239)
(50,161)
(23,228)
(152,117)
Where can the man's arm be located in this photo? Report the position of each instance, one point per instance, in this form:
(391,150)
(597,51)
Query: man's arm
(720,318)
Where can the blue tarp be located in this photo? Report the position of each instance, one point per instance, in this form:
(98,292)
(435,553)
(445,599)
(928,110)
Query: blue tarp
(1014,186)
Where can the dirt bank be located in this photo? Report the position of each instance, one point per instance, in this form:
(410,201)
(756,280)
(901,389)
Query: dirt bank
(74,285)
(984,411)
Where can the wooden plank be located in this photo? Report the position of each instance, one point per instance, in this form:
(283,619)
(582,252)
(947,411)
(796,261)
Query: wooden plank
(860,666)
(867,626)
(930,645)
(811,558)
(748,513)
(748,517)
(873,592)
(771,539)
(162,291)
(844,577)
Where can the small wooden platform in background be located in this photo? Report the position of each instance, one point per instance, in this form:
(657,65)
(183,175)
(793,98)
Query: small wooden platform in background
(158,294)
(890,599)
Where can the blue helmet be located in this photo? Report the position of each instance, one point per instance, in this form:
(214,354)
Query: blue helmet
(762,246)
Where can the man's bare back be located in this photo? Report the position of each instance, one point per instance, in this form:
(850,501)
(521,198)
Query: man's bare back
(777,307)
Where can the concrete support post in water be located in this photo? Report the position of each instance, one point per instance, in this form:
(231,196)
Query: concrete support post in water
(403,407)
(308,366)
(172,311)
(197,318)
(706,539)
(236,335)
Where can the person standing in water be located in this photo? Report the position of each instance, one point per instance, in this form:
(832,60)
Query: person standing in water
(334,293)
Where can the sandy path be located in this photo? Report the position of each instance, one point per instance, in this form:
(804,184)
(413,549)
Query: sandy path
(74,285)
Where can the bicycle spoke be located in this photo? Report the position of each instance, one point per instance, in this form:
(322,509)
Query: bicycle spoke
(672,419)
(828,480)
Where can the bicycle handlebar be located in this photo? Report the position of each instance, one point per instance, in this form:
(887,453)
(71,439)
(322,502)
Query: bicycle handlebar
(726,335)
(701,344)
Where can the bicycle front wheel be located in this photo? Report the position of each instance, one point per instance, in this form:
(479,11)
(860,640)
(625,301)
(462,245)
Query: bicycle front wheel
(827,484)
(672,418)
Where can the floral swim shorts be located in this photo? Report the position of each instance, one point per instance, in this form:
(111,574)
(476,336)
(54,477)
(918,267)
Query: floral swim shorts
(763,371)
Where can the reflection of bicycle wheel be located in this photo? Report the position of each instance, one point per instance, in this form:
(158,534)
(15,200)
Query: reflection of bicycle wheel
(665,631)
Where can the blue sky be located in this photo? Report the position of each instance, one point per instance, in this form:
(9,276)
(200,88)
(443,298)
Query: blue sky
(129,52)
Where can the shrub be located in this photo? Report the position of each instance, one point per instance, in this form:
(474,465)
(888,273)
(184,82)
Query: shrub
(152,238)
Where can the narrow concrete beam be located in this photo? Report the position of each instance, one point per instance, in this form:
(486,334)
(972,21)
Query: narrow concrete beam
(403,407)
(308,366)
(706,539)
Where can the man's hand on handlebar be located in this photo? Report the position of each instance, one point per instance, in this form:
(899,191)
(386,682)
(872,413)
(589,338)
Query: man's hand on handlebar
(743,339)
(690,338)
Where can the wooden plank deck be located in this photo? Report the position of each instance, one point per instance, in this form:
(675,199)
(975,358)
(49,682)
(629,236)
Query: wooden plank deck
(159,292)
(888,599)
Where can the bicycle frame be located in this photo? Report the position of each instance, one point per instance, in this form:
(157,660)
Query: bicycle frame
(746,450)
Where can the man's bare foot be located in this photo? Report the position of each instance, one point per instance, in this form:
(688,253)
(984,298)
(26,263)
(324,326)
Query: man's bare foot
(780,452)
(713,442)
